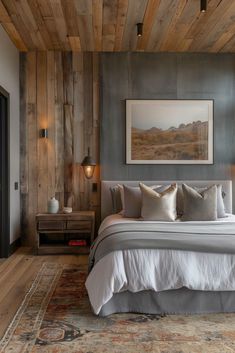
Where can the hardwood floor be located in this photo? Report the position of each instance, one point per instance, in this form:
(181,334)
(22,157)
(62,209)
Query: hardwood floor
(16,276)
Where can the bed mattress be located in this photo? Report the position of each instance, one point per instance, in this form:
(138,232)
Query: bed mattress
(203,261)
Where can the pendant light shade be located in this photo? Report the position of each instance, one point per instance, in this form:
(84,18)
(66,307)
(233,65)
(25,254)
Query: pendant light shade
(88,166)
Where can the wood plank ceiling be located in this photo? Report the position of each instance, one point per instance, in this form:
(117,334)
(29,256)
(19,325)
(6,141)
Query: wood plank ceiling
(110,25)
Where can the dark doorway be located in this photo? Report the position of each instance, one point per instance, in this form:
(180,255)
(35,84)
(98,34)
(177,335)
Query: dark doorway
(4,174)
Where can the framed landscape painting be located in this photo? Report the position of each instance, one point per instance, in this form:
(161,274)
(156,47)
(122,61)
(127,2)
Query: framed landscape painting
(169,131)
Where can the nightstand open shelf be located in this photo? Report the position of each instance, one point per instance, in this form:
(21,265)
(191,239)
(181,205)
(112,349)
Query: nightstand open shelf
(54,231)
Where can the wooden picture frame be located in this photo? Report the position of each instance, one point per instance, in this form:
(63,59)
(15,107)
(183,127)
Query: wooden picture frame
(169,131)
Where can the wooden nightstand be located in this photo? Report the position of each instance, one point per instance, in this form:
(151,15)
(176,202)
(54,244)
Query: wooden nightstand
(54,231)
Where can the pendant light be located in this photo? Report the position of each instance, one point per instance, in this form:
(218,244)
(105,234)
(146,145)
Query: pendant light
(88,165)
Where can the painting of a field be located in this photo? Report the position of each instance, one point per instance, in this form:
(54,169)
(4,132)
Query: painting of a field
(170,132)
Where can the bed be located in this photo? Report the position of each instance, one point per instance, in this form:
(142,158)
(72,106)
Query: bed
(161,267)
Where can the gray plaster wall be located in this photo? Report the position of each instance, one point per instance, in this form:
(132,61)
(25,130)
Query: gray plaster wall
(166,76)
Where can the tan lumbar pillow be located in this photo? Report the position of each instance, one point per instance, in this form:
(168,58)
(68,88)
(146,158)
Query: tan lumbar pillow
(158,206)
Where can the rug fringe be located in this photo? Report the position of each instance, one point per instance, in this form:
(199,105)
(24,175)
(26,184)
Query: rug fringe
(10,330)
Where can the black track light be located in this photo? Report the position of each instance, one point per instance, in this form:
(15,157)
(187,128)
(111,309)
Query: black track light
(139,29)
(203,5)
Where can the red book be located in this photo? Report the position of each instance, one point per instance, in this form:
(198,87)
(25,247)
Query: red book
(77,243)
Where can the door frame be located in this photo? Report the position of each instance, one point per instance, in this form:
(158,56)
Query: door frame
(5,201)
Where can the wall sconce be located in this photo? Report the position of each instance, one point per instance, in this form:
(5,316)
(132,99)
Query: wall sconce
(43,133)
(88,165)
(203,5)
(139,29)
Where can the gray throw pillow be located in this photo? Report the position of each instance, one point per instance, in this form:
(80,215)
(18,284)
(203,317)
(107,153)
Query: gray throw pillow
(133,199)
(220,202)
(116,199)
(199,206)
(158,206)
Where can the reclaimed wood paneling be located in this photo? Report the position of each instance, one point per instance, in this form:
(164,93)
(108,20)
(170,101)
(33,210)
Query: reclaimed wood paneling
(97,11)
(51,184)
(110,25)
(42,123)
(78,127)
(10,28)
(24,171)
(60,92)
(31,118)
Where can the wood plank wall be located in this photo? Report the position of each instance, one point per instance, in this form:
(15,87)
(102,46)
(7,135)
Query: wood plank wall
(60,92)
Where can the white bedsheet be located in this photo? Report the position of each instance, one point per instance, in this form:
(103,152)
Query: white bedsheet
(158,270)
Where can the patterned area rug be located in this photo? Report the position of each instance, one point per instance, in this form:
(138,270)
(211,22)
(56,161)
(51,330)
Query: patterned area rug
(55,317)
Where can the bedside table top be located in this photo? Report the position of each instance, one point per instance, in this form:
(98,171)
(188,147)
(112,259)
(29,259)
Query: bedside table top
(78,215)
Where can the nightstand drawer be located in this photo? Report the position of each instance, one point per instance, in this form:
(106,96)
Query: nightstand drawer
(51,225)
(79,225)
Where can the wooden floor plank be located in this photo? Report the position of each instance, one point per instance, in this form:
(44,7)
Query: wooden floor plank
(16,277)
(7,265)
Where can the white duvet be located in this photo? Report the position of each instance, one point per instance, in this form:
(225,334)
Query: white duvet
(158,270)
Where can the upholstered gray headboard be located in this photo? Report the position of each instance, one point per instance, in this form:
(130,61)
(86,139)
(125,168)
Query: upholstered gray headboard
(106,201)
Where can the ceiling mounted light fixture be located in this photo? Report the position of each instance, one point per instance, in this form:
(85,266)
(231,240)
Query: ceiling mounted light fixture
(203,5)
(139,29)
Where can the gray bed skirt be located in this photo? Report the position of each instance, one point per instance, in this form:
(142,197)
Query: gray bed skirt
(178,301)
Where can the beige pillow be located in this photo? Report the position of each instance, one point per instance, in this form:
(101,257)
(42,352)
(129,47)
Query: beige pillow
(158,206)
